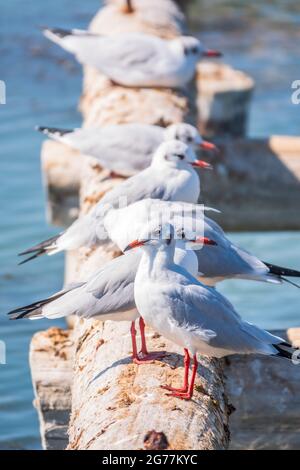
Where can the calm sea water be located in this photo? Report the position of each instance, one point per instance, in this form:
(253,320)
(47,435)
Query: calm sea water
(43,85)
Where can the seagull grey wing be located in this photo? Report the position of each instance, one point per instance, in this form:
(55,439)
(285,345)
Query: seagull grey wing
(73,285)
(113,285)
(252,265)
(83,232)
(133,53)
(220,261)
(214,261)
(138,187)
(125,149)
(214,225)
(207,309)
(226,259)
(185,314)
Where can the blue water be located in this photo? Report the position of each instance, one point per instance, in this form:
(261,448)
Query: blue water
(43,85)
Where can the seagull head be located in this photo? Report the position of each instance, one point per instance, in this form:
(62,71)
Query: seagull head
(189,135)
(177,155)
(161,236)
(154,236)
(192,240)
(194,49)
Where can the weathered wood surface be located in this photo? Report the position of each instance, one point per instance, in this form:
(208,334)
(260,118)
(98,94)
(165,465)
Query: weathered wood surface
(264,391)
(51,363)
(115,403)
(223,102)
(61,167)
(255,182)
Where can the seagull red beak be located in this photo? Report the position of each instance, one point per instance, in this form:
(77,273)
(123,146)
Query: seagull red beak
(212,53)
(135,244)
(205,241)
(209,146)
(202,164)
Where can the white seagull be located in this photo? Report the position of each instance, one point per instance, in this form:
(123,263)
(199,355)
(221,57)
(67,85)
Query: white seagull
(170,177)
(225,261)
(108,294)
(196,317)
(135,59)
(126,149)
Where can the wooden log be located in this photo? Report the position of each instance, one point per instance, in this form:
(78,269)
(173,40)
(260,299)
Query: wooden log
(61,168)
(224,96)
(115,404)
(264,392)
(255,183)
(51,363)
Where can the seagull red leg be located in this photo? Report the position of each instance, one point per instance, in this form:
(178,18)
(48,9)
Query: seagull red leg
(144,349)
(144,355)
(134,356)
(192,384)
(114,174)
(185,387)
(188,395)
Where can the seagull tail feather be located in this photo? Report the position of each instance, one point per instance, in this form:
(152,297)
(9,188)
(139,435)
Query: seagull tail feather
(284,350)
(280,271)
(33,310)
(41,249)
(53,132)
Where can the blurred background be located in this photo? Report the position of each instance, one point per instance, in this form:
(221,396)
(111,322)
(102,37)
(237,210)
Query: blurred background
(43,87)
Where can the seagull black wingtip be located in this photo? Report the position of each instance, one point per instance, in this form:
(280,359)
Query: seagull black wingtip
(60,32)
(282,352)
(280,271)
(52,130)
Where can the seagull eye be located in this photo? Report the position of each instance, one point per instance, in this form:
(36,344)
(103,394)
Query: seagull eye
(189,139)
(170,157)
(180,156)
(168,240)
(194,50)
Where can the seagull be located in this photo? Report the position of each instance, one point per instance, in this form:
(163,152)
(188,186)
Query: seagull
(126,149)
(170,177)
(108,294)
(225,261)
(196,317)
(135,59)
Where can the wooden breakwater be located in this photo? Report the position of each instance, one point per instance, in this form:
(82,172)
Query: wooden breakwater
(111,397)
(262,393)
(255,184)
